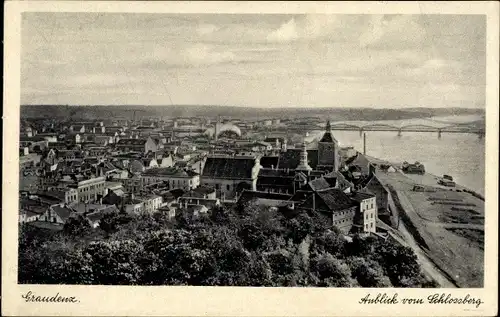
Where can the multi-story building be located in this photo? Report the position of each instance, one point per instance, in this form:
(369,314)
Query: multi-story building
(68,195)
(151,203)
(366,216)
(89,189)
(132,184)
(134,207)
(176,178)
(137,145)
(230,174)
(356,212)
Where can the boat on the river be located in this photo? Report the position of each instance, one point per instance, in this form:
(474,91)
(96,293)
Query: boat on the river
(446,182)
(415,168)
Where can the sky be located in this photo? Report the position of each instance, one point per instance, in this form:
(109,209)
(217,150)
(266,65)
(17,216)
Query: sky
(253,60)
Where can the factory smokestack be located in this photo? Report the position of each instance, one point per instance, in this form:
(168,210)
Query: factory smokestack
(364,143)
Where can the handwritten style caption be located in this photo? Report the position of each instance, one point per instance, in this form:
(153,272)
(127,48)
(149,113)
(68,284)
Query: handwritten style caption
(436,298)
(31,297)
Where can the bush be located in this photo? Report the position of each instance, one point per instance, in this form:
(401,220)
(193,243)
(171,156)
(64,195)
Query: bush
(248,247)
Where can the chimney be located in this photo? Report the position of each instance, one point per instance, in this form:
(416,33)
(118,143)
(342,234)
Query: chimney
(364,143)
(314,201)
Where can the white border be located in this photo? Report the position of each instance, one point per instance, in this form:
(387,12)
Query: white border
(232,301)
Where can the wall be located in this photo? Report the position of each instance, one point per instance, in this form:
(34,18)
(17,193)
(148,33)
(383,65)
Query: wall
(226,187)
(134,208)
(380,192)
(150,146)
(152,204)
(71,195)
(89,189)
(326,153)
(344,219)
(186,183)
(167,161)
(368,209)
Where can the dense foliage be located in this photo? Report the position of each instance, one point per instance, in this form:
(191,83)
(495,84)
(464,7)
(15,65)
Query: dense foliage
(247,246)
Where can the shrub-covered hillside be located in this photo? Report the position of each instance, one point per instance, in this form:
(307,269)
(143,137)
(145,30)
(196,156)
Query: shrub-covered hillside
(247,246)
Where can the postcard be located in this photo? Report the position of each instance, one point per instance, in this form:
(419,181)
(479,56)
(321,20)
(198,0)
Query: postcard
(250,159)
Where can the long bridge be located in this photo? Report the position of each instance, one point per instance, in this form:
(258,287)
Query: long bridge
(454,128)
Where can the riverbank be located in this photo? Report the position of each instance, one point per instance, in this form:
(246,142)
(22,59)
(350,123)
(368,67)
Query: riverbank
(446,223)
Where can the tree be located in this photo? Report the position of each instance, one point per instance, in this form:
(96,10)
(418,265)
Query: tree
(331,272)
(222,216)
(300,227)
(252,236)
(112,222)
(368,273)
(400,263)
(77,226)
(115,262)
(332,241)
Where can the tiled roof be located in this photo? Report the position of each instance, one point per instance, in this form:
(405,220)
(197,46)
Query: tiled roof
(248,195)
(319,184)
(204,190)
(335,199)
(96,216)
(263,172)
(361,195)
(132,142)
(228,167)
(329,200)
(291,158)
(269,161)
(169,171)
(328,137)
(62,212)
(273,177)
(32,139)
(59,194)
(350,159)
(359,160)
(331,180)
(301,195)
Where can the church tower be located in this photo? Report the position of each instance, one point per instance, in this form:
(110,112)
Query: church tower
(328,151)
(304,165)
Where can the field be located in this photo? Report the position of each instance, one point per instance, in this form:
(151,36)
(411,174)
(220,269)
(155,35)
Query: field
(450,223)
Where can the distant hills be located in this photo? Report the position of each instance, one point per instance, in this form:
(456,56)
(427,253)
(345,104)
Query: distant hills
(212,111)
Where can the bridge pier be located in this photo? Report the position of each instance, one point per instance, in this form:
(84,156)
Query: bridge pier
(400,133)
(480,135)
(360,132)
(439,134)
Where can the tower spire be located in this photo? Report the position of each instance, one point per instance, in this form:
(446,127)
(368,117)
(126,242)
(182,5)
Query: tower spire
(328,126)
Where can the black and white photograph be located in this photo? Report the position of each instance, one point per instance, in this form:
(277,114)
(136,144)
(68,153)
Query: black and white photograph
(266,150)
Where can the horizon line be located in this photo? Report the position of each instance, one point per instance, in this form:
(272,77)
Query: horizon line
(254,107)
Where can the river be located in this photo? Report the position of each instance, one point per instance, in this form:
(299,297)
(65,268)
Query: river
(459,155)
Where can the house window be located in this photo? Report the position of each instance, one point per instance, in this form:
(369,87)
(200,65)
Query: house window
(228,187)
(371,216)
(371,225)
